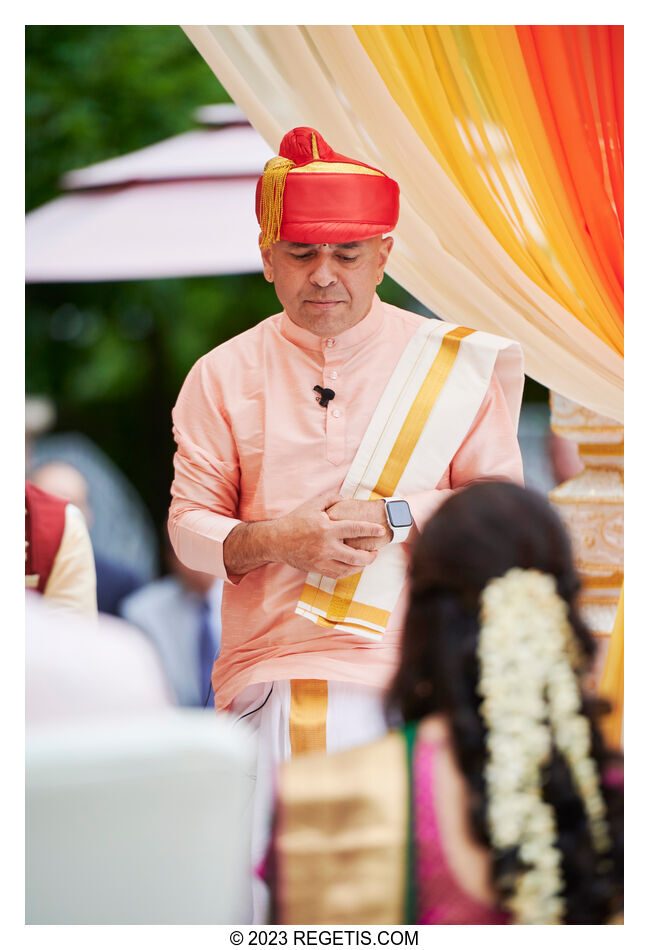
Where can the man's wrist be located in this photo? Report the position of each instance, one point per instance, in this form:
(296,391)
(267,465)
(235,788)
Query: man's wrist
(379,515)
(270,539)
(251,545)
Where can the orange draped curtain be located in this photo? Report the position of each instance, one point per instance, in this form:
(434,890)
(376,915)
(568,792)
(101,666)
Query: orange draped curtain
(528,123)
(577,76)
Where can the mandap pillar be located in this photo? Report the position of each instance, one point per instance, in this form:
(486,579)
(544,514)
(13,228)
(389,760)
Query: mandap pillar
(591,505)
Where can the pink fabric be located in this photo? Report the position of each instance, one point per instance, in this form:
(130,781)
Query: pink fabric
(441,899)
(614,777)
(253,444)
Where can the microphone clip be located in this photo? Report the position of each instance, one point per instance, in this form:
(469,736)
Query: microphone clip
(325,396)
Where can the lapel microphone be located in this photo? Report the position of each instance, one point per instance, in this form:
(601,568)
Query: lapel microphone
(325,396)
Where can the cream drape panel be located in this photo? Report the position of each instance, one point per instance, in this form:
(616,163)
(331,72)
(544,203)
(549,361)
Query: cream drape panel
(320,76)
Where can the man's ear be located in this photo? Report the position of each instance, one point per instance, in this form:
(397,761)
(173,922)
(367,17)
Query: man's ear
(267,258)
(384,253)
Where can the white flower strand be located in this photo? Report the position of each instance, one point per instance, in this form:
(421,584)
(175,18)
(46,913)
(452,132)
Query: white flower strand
(572,733)
(524,648)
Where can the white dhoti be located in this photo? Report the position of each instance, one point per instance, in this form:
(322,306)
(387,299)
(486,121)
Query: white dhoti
(294,717)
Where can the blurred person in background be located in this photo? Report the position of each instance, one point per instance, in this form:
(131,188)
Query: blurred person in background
(498,801)
(181,616)
(548,459)
(59,562)
(40,415)
(114,580)
(564,456)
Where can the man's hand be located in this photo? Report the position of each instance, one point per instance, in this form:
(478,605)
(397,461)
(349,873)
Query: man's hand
(307,539)
(350,509)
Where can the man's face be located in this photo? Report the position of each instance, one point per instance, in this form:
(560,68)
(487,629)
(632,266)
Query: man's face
(326,288)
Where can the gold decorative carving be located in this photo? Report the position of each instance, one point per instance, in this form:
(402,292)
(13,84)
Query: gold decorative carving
(591,505)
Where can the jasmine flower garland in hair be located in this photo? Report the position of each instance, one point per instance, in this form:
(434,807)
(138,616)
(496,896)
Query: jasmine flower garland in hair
(531,693)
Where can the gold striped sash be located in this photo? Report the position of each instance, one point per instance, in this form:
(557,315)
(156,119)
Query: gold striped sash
(340,605)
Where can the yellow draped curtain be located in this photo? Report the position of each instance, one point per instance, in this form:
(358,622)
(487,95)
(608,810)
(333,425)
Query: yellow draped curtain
(467,92)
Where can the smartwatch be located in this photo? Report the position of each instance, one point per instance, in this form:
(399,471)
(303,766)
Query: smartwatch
(399,518)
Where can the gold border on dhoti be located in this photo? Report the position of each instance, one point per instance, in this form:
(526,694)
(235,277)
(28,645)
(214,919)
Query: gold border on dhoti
(307,724)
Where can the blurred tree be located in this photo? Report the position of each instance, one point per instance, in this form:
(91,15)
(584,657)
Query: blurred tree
(113,355)
(94,92)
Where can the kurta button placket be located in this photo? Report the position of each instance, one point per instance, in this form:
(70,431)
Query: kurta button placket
(335,436)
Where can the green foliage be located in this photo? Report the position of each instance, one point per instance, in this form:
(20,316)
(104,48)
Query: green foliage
(113,356)
(95,92)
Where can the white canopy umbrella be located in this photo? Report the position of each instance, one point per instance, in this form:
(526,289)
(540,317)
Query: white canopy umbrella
(184,207)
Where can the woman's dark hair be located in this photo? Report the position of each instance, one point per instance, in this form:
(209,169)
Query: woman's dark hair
(478,534)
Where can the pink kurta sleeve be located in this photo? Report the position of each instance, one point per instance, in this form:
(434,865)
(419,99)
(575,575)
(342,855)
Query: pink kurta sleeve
(490,450)
(205,490)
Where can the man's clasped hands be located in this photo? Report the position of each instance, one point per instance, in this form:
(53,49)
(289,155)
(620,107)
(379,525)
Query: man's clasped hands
(328,535)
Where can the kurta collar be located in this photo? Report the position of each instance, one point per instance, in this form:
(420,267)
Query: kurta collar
(367,327)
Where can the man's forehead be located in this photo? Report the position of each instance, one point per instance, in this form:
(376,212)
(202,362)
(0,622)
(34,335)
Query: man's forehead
(347,246)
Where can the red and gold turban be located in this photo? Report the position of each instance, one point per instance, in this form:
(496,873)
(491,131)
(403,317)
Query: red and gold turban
(311,195)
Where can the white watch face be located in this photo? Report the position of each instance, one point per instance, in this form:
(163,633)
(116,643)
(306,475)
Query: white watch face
(399,514)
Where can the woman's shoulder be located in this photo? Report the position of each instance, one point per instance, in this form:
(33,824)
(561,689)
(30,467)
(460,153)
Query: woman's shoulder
(434,729)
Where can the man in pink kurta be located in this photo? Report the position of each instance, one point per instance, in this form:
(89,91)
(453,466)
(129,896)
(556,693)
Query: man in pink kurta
(253,444)
(260,460)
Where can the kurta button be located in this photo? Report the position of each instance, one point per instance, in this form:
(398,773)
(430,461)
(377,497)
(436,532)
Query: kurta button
(330,342)
(333,374)
(336,413)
